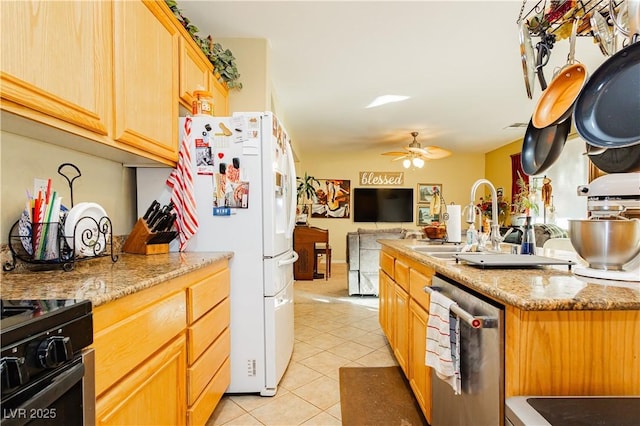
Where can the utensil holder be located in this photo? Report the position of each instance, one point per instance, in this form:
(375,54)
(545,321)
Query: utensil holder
(142,240)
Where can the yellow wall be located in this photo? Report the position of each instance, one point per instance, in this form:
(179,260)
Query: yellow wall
(456,174)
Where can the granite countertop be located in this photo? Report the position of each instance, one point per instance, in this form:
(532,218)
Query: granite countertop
(540,288)
(100,280)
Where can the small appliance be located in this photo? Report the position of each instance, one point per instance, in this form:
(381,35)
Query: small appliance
(613,195)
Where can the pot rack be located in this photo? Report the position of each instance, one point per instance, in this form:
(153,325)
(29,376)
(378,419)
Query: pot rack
(549,16)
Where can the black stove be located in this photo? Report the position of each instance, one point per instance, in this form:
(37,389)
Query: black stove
(42,342)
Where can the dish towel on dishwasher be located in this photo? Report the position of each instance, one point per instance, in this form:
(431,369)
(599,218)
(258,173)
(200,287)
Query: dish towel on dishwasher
(181,182)
(443,341)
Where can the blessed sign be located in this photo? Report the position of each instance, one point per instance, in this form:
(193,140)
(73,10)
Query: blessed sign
(381,178)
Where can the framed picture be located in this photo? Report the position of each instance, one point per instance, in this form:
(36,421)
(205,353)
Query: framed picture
(426,192)
(332,199)
(429,194)
(423,216)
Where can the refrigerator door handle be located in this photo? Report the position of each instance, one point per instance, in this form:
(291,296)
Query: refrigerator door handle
(293,197)
(292,259)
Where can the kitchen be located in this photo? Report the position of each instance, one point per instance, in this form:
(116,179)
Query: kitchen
(116,185)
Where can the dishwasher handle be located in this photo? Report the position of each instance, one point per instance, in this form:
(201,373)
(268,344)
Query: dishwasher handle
(473,321)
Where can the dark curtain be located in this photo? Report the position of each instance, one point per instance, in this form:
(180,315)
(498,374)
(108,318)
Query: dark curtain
(516,167)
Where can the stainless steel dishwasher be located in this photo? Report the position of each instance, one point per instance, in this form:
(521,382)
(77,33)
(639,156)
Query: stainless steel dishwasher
(481,402)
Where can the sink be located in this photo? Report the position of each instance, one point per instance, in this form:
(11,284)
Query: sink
(444,251)
(441,248)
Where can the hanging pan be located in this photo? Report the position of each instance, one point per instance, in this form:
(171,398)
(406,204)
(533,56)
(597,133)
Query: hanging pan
(607,109)
(542,147)
(556,102)
(618,160)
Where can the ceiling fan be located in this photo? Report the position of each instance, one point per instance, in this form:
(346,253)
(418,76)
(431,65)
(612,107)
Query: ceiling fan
(416,155)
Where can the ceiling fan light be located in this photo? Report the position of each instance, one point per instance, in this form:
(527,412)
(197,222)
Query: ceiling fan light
(406,163)
(418,162)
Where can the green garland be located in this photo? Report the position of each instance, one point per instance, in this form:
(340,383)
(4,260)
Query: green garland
(222,59)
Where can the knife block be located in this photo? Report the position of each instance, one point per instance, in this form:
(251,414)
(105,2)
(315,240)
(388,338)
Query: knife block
(142,240)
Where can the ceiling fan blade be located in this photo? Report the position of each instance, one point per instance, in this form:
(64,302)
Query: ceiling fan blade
(401,158)
(431,152)
(395,153)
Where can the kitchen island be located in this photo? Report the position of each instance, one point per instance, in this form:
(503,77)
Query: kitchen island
(161,331)
(563,334)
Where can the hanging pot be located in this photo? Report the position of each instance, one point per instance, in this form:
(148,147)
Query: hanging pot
(556,102)
(542,147)
(607,109)
(618,160)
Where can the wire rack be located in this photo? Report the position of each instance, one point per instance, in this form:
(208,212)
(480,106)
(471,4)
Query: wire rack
(556,16)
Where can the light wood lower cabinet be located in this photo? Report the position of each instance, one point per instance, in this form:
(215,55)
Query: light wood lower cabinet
(404,320)
(151,393)
(209,345)
(419,374)
(162,354)
(546,352)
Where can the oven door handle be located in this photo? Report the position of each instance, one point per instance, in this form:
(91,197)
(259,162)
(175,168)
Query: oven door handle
(60,385)
(473,321)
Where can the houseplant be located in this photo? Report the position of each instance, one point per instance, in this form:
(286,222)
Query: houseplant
(524,202)
(306,191)
(223,61)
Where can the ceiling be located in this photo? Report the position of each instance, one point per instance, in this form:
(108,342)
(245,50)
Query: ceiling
(458,61)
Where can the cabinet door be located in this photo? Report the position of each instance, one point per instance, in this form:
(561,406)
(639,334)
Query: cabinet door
(386,305)
(220,97)
(194,72)
(152,394)
(401,323)
(58,61)
(419,374)
(146,78)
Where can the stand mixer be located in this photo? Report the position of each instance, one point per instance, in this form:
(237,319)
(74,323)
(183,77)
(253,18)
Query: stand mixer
(613,196)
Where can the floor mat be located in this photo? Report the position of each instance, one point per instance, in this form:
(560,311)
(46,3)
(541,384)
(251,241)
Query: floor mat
(377,396)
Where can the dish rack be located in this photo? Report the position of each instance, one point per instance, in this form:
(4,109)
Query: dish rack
(50,247)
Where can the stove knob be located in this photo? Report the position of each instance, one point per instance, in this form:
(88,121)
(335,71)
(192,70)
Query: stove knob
(54,351)
(14,372)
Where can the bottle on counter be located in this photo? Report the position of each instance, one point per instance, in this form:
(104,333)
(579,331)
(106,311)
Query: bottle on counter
(528,245)
(472,235)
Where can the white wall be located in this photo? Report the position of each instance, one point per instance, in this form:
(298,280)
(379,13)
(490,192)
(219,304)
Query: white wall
(570,170)
(105,182)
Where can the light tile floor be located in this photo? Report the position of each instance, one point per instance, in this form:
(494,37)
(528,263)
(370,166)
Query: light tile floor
(332,330)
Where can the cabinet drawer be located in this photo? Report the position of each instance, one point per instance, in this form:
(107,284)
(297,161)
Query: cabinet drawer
(402,275)
(417,282)
(201,372)
(149,328)
(199,413)
(207,329)
(204,295)
(386,263)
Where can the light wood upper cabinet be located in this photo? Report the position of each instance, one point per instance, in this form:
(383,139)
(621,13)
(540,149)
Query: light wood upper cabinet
(146,77)
(220,97)
(194,72)
(58,61)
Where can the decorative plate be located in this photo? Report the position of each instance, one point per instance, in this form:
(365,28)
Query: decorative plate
(82,221)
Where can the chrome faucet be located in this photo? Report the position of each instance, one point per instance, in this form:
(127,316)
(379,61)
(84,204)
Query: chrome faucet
(495,236)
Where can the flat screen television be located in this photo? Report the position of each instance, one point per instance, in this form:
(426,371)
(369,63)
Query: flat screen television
(383,205)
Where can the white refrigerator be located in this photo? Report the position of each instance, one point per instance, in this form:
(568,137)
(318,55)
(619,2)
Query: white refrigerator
(245,192)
